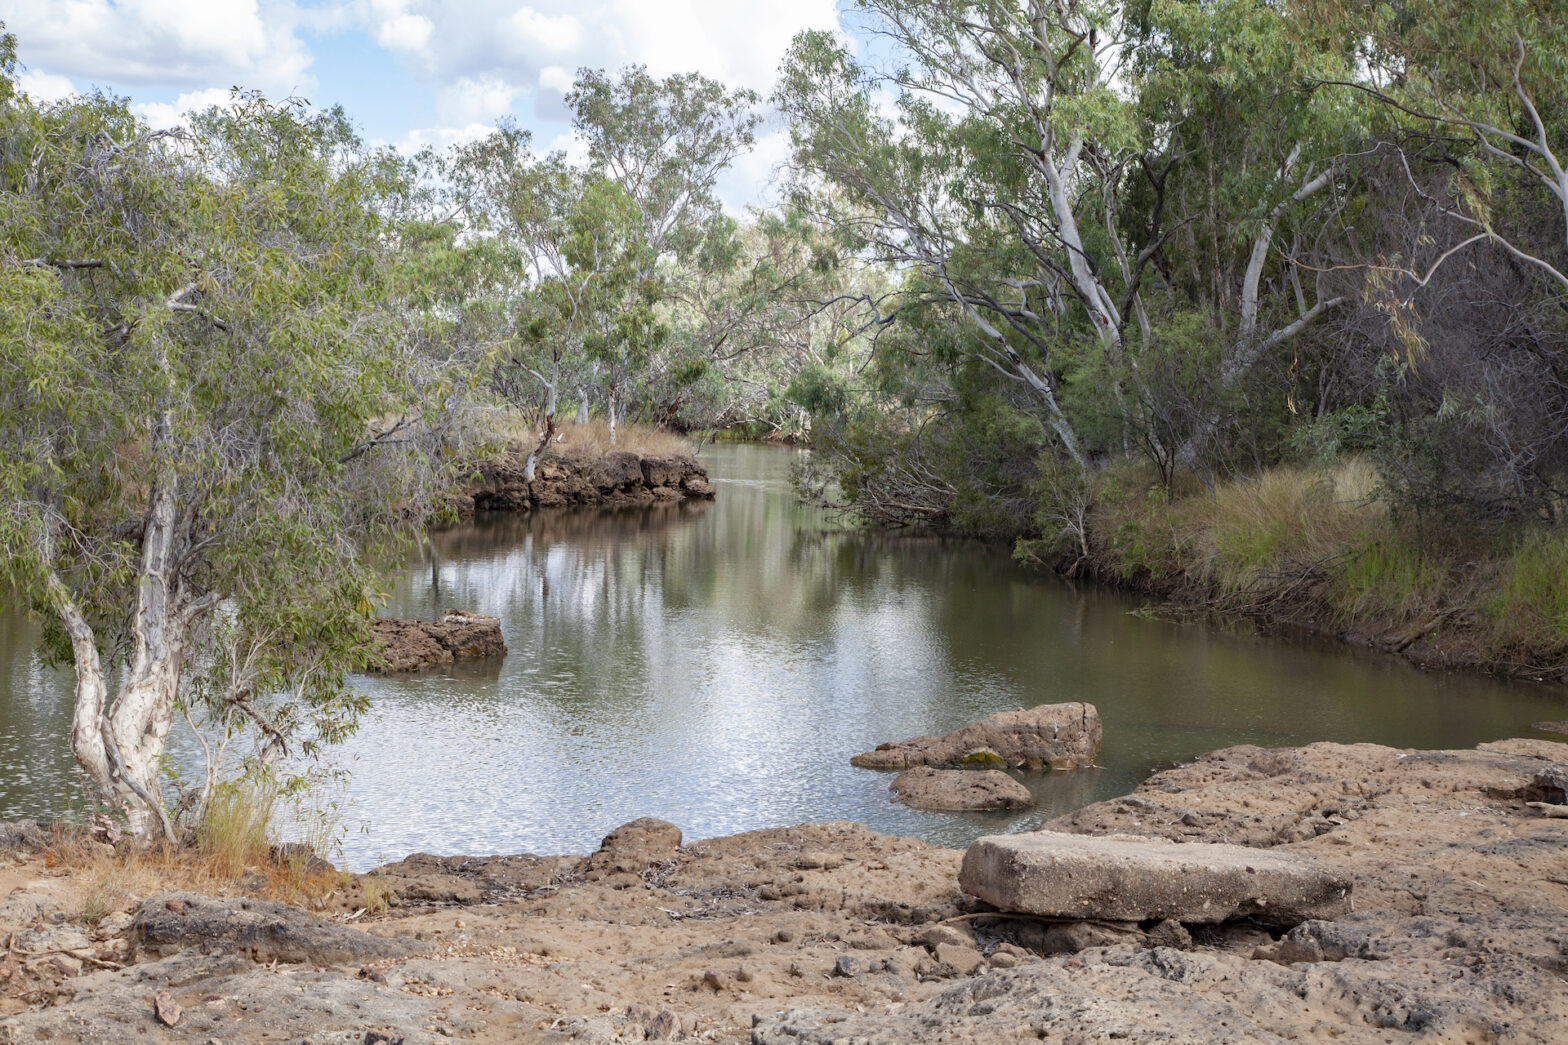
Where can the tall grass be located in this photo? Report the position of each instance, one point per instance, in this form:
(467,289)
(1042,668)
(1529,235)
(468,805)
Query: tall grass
(1390,578)
(1320,545)
(1284,522)
(1529,609)
(592,439)
(235,831)
(232,844)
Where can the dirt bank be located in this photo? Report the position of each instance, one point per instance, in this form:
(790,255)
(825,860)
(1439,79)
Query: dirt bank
(830,932)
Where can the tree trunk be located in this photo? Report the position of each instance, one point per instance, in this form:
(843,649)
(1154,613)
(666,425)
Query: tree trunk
(121,751)
(531,464)
(611,410)
(582,406)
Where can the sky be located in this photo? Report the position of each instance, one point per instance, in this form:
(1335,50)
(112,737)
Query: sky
(409,72)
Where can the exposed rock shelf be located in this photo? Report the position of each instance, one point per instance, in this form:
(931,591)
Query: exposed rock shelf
(1125,878)
(830,932)
(408,645)
(620,477)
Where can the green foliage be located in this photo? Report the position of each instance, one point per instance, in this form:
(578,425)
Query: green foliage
(205,320)
(819,390)
(1386,580)
(1529,610)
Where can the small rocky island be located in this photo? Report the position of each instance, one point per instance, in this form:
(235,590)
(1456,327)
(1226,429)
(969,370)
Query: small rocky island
(408,645)
(619,477)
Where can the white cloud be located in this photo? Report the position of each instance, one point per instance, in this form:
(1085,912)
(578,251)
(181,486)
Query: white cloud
(438,138)
(474,100)
(556,78)
(45,87)
(405,33)
(753,178)
(532,30)
(740,44)
(160,115)
(568,142)
(542,43)
(166,42)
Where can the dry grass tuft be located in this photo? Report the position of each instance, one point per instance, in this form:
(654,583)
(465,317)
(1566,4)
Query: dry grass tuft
(236,829)
(592,439)
(232,852)
(1286,519)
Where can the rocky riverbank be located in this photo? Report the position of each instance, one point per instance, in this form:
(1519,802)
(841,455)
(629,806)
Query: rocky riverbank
(831,933)
(616,478)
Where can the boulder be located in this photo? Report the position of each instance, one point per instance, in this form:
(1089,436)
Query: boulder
(666,471)
(1125,878)
(619,470)
(260,930)
(1062,736)
(960,789)
(696,486)
(22,836)
(631,849)
(407,645)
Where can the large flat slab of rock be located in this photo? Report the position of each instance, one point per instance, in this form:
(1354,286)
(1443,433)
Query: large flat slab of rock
(960,789)
(1062,736)
(1123,878)
(260,930)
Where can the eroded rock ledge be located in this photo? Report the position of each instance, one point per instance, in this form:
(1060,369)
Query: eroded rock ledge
(827,933)
(408,645)
(620,477)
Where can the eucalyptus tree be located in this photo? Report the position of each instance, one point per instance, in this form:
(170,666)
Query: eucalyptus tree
(205,418)
(1480,87)
(664,143)
(1468,273)
(1256,176)
(566,283)
(1037,167)
(967,180)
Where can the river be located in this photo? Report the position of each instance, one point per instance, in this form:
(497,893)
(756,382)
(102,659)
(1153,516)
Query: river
(716,665)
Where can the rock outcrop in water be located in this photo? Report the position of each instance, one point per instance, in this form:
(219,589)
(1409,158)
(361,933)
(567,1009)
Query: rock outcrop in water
(1061,736)
(620,477)
(960,789)
(408,645)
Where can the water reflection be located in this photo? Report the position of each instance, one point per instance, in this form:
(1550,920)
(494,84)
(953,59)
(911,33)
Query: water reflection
(717,665)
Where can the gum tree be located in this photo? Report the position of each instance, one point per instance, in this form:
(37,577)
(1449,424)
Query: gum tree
(664,144)
(206,418)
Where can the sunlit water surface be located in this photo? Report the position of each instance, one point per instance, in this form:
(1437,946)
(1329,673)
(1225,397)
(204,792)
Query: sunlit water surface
(716,665)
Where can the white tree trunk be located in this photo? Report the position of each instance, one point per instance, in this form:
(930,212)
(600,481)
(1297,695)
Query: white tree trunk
(531,464)
(121,752)
(1107,323)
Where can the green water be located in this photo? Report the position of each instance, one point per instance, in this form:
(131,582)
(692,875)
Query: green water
(716,665)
